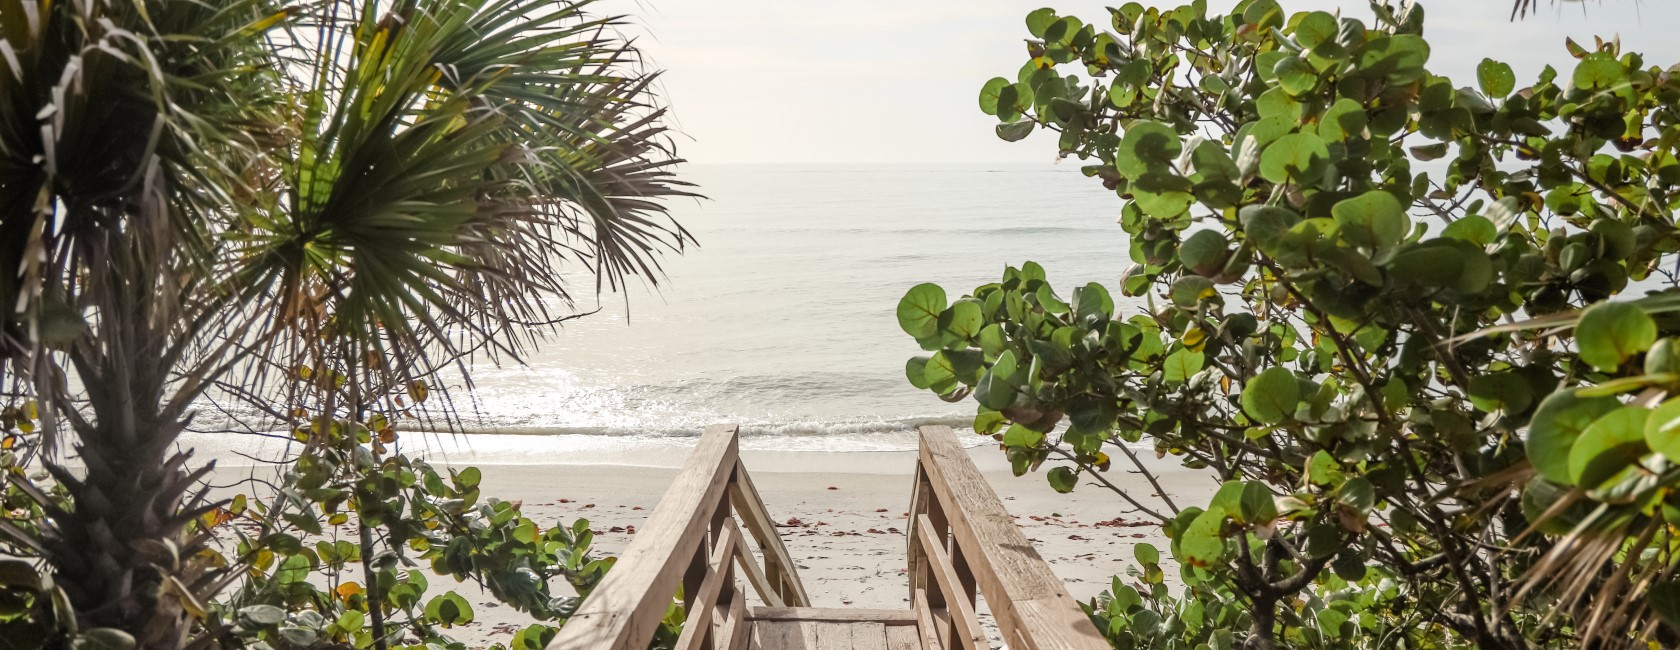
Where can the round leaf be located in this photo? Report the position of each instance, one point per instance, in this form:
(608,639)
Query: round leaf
(1374,220)
(1556,425)
(1148,146)
(1608,446)
(1496,78)
(1612,332)
(1297,157)
(918,311)
(1271,396)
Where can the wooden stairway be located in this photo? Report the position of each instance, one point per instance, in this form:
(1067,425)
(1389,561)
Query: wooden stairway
(963,546)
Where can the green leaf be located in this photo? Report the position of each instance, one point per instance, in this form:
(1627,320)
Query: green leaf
(1203,544)
(990,93)
(1316,28)
(1357,493)
(1501,391)
(918,311)
(1298,157)
(1295,76)
(1204,252)
(1664,599)
(1473,228)
(1496,78)
(1662,429)
(1598,71)
(1344,119)
(1190,290)
(1020,436)
(1146,553)
(997,388)
(1556,425)
(1040,20)
(1610,333)
(1608,446)
(468,478)
(1374,220)
(1264,224)
(916,371)
(1322,469)
(1271,396)
(1093,300)
(258,616)
(962,321)
(1258,506)
(1182,365)
(1015,131)
(1147,146)
(1063,479)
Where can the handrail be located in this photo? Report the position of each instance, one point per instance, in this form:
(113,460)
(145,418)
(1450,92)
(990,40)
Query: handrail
(690,540)
(962,538)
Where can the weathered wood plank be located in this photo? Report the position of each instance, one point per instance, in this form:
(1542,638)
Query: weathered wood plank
(902,637)
(778,565)
(1030,603)
(730,624)
(927,627)
(834,615)
(783,635)
(761,585)
(698,624)
(968,633)
(624,610)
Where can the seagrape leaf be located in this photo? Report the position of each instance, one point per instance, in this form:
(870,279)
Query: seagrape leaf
(918,311)
(989,94)
(1093,300)
(997,388)
(1374,220)
(1203,252)
(1556,425)
(1040,20)
(1344,119)
(1662,429)
(1020,436)
(962,321)
(1505,391)
(1147,146)
(1271,396)
(1496,78)
(1182,365)
(1315,29)
(1203,543)
(1297,157)
(1598,70)
(1610,333)
(1062,479)
(1264,224)
(1609,445)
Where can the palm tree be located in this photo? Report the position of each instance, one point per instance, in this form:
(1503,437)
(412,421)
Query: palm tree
(215,197)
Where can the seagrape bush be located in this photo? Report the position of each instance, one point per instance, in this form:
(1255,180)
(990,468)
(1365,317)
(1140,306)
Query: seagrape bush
(1422,329)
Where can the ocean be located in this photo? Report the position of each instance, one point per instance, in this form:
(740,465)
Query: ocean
(783,319)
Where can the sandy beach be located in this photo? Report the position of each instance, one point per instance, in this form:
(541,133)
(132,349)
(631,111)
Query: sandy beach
(843,518)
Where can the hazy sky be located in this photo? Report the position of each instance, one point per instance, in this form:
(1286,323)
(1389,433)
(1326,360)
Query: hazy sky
(870,81)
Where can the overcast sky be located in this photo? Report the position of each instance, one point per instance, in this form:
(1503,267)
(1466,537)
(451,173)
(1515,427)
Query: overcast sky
(896,81)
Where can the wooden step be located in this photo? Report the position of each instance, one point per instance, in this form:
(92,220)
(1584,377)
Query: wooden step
(815,628)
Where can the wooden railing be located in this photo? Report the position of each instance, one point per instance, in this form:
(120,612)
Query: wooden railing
(691,540)
(963,541)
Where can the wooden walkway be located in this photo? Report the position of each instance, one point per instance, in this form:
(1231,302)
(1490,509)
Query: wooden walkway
(962,547)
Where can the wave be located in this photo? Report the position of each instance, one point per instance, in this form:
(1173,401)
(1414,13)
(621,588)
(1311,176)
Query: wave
(800,428)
